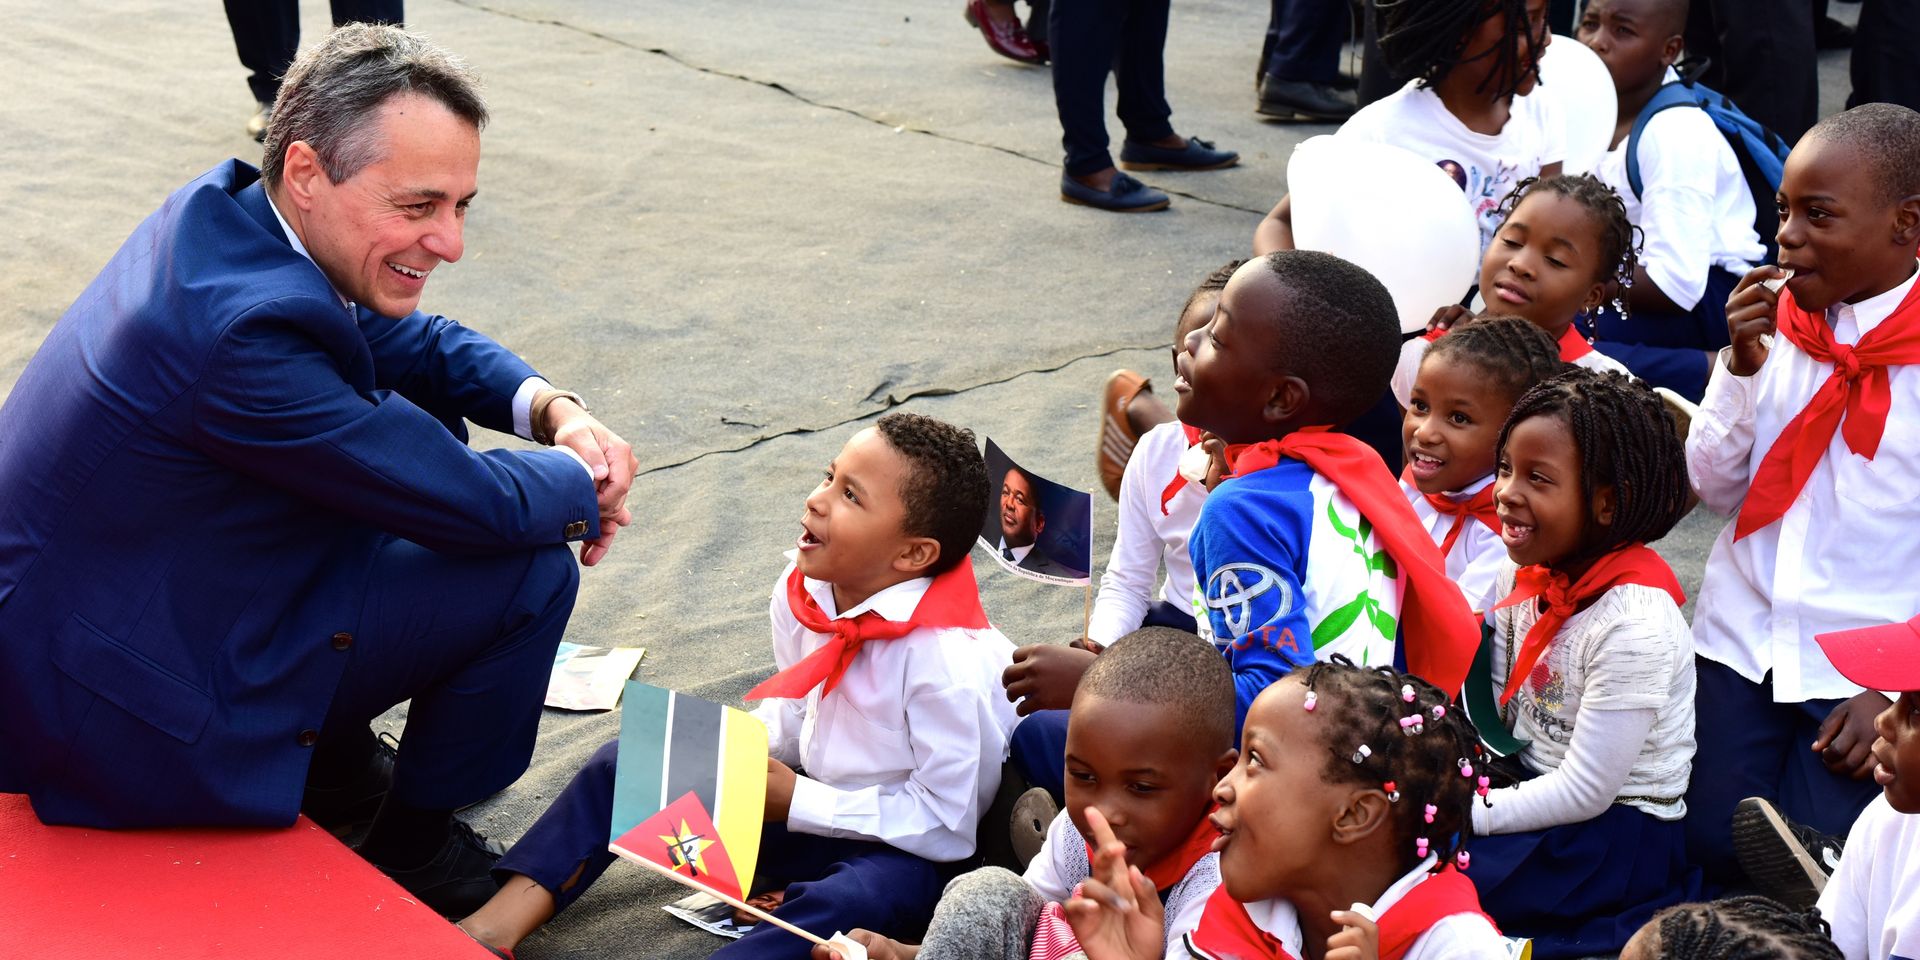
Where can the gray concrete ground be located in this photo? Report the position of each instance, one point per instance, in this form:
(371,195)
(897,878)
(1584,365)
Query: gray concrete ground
(741,229)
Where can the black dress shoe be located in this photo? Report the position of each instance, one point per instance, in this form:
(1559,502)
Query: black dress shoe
(1298,99)
(459,879)
(345,809)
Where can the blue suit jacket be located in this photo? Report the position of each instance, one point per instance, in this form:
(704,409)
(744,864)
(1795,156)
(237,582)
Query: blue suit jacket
(196,469)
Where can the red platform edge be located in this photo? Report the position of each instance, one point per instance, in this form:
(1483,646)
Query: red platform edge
(190,893)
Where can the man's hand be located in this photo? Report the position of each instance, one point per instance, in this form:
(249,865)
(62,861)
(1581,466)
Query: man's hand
(1845,743)
(1043,676)
(780,778)
(610,459)
(1116,915)
(1750,316)
(1358,939)
(1444,318)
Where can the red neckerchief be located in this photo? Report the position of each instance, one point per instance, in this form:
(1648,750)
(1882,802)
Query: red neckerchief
(1479,506)
(1227,932)
(1178,482)
(1441,631)
(1172,868)
(1445,894)
(1572,345)
(1856,390)
(1634,563)
(952,600)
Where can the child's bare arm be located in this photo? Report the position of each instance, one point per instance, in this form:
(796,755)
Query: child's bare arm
(1276,231)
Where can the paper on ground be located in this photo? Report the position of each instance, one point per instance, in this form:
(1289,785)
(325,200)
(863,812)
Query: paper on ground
(590,678)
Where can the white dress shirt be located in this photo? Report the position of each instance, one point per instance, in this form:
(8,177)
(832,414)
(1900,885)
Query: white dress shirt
(1873,899)
(1019,554)
(1477,554)
(1845,553)
(1147,539)
(907,749)
(522,397)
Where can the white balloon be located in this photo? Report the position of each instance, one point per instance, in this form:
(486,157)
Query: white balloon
(1384,208)
(1580,88)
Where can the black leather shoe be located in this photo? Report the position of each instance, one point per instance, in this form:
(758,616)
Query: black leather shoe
(459,879)
(1298,99)
(343,810)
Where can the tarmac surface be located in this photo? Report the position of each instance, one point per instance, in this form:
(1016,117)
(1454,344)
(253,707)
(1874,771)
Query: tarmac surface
(742,230)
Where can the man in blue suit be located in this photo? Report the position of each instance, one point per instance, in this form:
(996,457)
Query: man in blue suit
(240,518)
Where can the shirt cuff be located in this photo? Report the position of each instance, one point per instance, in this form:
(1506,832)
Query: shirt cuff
(523,407)
(811,810)
(1728,394)
(577,458)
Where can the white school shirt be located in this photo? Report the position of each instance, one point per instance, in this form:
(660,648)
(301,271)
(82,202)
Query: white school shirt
(1478,553)
(1459,937)
(1146,539)
(1062,865)
(1695,210)
(1630,649)
(1843,556)
(1412,351)
(908,747)
(1873,898)
(1414,119)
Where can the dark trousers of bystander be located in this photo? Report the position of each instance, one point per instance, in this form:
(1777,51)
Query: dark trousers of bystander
(267,34)
(1884,68)
(1304,38)
(1091,38)
(1763,56)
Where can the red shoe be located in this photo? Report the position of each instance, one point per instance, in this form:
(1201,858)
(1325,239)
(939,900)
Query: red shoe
(1008,40)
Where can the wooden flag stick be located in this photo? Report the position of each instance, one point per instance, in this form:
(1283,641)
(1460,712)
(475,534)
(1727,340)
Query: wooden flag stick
(687,881)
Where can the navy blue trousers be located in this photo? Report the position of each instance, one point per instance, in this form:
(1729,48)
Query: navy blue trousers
(1750,746)
(1668,349)
(831,884)
(1581,889)
(1091,38)
(267,34)
(470,641)
(1304,38)
(1039,746)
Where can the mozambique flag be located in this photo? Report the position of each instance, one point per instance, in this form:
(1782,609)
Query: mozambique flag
(691,788)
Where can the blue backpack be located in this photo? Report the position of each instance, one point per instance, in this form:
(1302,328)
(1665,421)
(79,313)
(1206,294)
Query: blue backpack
(1761,152)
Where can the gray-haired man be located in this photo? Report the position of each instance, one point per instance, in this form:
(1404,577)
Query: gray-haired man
(241,517)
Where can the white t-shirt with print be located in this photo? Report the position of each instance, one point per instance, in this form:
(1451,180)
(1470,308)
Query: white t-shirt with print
(1414,119)
(1873,899)
(1632,649)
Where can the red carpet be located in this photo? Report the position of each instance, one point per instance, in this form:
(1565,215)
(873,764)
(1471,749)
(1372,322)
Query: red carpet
(292,894)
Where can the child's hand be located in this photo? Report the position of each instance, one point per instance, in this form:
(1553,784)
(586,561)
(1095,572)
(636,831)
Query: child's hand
(1750,316)
(1845,743)
(1444,318)
(780,778)
(1217,468)
(1043,676)
(878,947)
(1358,939)
(1116,914)
(1088,644)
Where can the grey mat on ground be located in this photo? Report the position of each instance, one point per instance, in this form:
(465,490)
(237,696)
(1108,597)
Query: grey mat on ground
(739,229)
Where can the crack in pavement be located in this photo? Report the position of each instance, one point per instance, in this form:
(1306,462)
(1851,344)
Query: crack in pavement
(890,401)
(803,98)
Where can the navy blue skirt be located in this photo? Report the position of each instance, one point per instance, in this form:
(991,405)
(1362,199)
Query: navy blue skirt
(1581,889)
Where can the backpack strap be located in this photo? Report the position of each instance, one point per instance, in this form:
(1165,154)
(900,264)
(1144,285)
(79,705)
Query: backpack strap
(1679,93)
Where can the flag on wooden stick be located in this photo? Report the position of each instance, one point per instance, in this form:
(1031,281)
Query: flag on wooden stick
(691,788)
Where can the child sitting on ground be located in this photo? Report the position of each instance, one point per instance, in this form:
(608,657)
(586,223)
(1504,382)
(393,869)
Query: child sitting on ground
(1474,66)
(1152,734)
(1814,441)
(1342,829)
(1740,928)
(1592,667)
(1153,529)
(885,727)
(1563,242)
(1467,384)
(1694,208)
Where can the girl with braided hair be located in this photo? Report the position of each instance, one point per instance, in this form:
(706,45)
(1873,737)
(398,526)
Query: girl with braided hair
(1738,928)
(1467,384)
(1343,825)
(1592,668)
(1564,244)
(1468,108)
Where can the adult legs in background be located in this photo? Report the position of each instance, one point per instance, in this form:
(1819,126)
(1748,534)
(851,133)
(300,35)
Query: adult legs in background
(1300,61)
(266,33)
(1763,57)
(1883,67)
